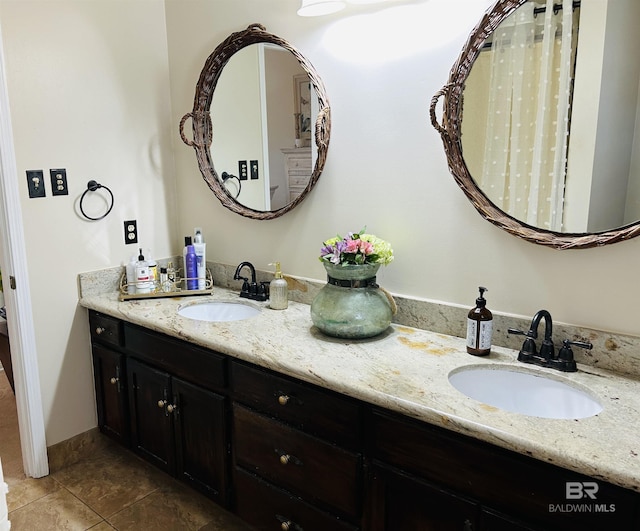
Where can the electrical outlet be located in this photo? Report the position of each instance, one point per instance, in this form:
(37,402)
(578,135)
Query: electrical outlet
(35,182)
(254,169)
(242,170)
(59,182)
(130,232)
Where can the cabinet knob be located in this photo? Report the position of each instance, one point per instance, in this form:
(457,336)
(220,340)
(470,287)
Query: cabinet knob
(286,526)
(114,380)
(284,459)
(171,408)
(99,330)
(283,400)
(162,403)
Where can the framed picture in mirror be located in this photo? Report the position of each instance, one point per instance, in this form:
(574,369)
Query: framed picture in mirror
(302,94)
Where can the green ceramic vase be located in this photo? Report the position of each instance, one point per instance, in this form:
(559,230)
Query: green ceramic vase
(351,305)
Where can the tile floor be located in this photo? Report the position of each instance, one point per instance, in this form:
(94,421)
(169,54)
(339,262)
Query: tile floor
(112,489)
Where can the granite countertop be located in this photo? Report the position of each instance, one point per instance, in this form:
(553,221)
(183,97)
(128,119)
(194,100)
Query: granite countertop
(406,370)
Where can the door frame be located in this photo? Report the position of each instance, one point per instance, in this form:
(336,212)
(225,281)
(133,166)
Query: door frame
(20,323)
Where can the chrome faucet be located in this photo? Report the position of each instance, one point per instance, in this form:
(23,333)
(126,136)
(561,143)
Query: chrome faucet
(251,290)
(546,357)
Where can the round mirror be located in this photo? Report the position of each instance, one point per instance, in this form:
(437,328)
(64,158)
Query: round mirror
(261,124)
(534,148)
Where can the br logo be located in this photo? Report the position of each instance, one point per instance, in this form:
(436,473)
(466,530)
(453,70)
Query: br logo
(577,490)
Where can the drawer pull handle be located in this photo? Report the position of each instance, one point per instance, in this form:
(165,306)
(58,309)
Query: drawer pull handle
(162,403)
(114,380)
(287,525)
(288,459)
(99,330)
(283,400)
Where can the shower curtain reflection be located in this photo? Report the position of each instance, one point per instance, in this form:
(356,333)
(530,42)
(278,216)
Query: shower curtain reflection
(530,67)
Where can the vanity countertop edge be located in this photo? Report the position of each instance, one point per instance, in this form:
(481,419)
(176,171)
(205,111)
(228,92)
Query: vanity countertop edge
(406,370)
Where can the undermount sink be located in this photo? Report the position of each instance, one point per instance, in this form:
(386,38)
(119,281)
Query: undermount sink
(523,392)
(218,311)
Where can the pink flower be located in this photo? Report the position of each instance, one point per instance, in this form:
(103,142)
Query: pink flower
(351,246)
(365,247)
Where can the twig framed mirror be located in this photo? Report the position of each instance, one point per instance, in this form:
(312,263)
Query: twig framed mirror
(519,150)
(247,109)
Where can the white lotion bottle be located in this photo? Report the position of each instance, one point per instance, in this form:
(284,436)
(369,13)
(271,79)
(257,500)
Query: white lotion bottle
(143,275)
(200,248)
(278,290)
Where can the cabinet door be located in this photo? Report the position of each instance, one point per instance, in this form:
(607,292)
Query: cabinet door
(151,423)
(111,393)
(201,438)
(398,501)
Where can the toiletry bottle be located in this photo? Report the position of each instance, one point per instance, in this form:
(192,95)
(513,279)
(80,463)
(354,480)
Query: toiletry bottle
(479,327)
(187,241)
(153,272)
(131,274)
(201,254)
(165,285)
(278,290)
(191,268)
(143,277)
(171,276)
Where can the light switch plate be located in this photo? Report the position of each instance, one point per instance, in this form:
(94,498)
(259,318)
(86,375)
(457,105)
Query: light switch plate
(35,182)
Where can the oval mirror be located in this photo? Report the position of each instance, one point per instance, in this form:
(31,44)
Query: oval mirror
(261,124)
(545,146)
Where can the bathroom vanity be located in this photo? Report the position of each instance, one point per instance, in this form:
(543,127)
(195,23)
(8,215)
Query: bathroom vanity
(294,430)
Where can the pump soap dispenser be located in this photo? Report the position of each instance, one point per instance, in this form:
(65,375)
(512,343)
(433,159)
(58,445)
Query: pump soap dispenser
(479,327)
(278,290)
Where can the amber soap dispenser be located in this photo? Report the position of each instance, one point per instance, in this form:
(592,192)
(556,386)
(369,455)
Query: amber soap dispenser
(479,327)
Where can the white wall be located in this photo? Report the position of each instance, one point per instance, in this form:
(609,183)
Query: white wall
(89,92)
(89,86)
(386,167)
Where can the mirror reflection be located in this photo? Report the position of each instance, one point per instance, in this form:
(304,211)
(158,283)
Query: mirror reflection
(261,124)
(551,105)
(262,112)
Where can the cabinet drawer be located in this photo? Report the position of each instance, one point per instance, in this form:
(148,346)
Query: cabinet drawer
(313,410)
(300,181)
(318,471)
(191,363)
(300,163)
(268,508)
(105,329)
(498,478)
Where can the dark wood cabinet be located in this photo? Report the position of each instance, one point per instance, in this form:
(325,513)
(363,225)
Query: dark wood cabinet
(110,384)
(288,455)
(151,423)
(269,508)
(401,501)
(164,398)
(179,427)
(509,490)
(201,438)
(320,472)
(295,441)
(110,378)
